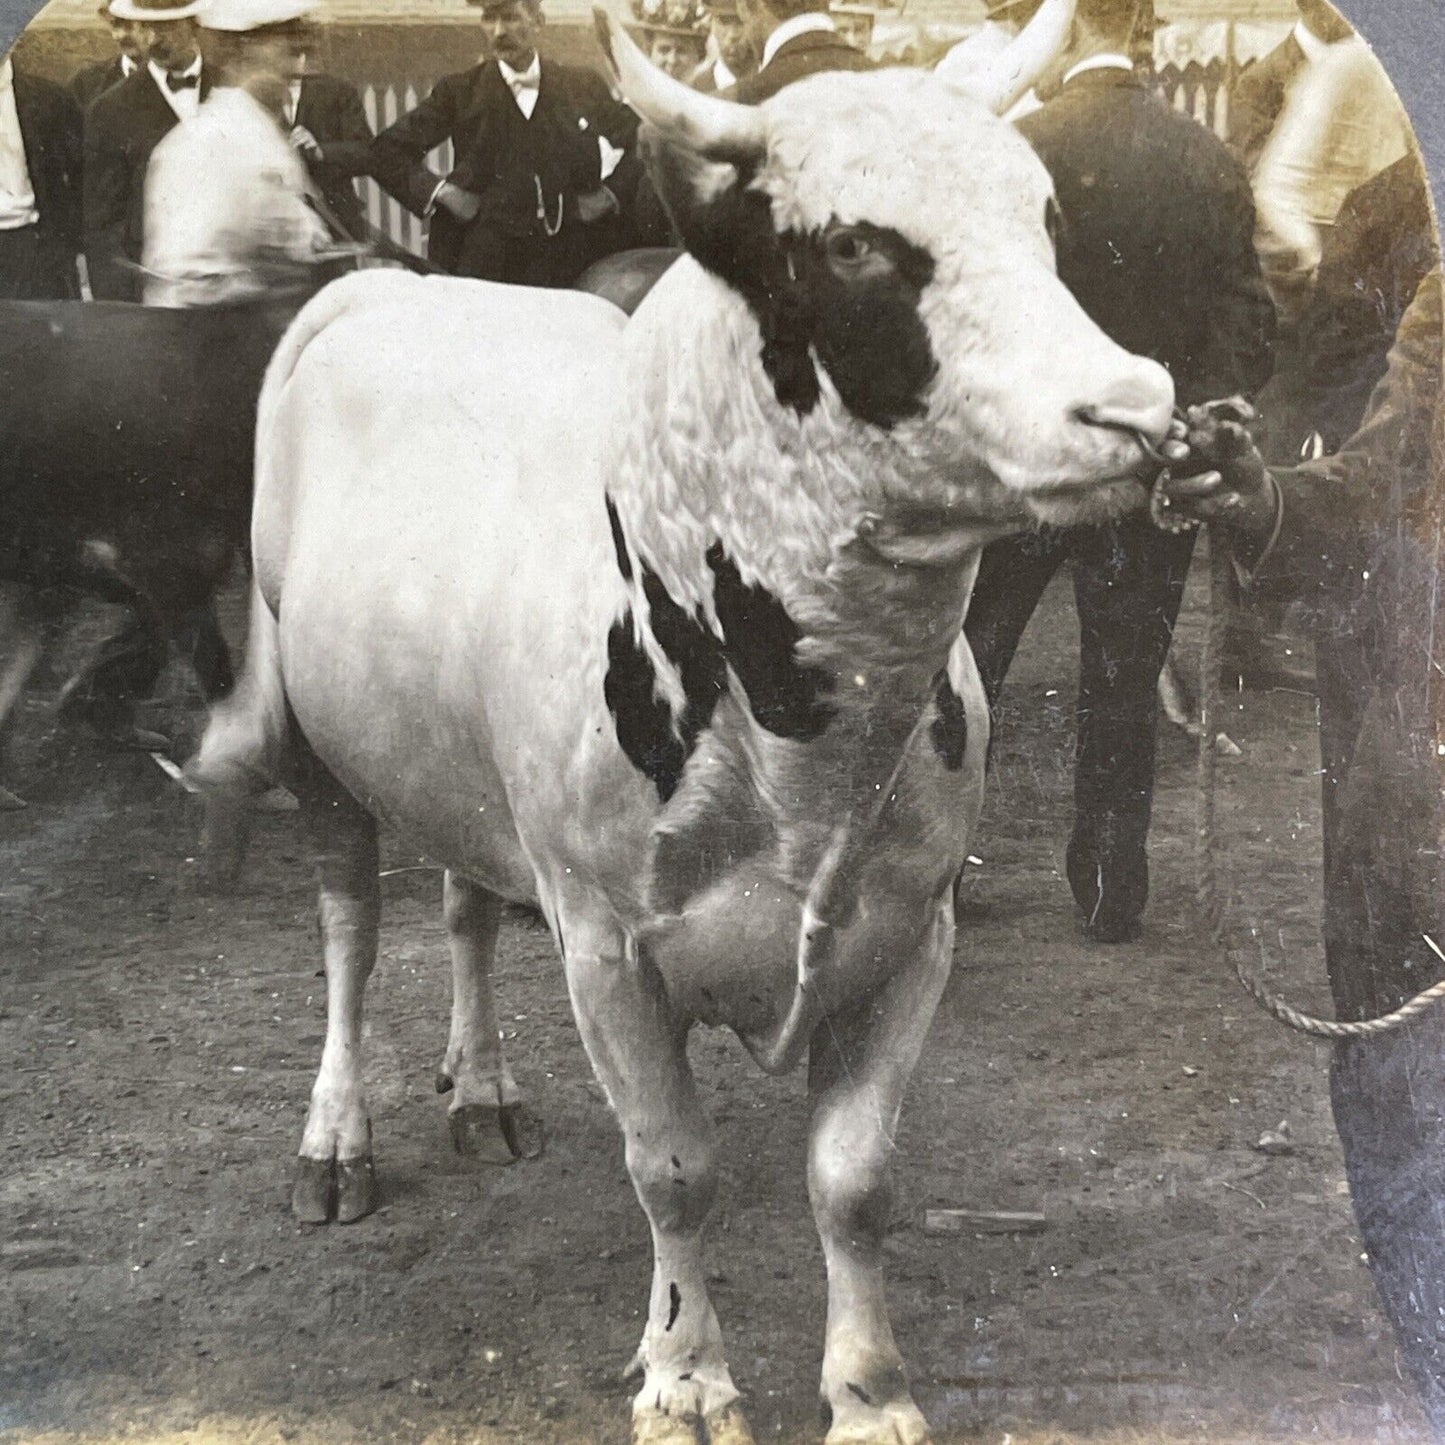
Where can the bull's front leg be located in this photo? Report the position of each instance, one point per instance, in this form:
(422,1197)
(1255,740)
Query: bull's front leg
(334,1174)
(639,1053)
(859,1067)
(486,1114)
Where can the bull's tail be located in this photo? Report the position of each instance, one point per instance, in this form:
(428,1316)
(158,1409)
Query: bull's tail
(245,740)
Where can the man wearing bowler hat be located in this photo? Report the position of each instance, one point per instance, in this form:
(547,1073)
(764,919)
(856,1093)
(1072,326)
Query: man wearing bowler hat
(544,169)
(122,128)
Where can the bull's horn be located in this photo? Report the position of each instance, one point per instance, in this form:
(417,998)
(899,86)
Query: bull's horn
(721,130)
(1012,73)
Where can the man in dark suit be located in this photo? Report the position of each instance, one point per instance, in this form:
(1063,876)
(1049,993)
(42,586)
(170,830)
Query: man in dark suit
(734,47)
(1375,256)
(1353,539)
(92,81)
(1259,97)
(122,128)
(1156,244)
(544,169)
(39,188)
(329,127)
(795,38)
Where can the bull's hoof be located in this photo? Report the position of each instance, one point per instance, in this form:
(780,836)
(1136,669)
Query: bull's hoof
(495,1133)
(339,1189)
(900,1422)
(11,802)
(727,1426)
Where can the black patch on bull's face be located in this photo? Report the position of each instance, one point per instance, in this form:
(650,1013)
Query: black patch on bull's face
(786,697)
(949,731)
(863,285)
(848,294)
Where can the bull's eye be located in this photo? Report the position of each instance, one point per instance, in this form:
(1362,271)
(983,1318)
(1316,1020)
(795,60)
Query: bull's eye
(853,254)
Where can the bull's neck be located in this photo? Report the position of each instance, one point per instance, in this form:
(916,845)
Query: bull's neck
(737,524)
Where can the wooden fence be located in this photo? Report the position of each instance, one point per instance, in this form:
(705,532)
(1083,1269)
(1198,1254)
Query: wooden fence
(1198,90)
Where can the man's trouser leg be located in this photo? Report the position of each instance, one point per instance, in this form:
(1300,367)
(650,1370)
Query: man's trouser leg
(1128,583)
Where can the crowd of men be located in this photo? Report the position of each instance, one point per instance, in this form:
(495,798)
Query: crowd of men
(210,158)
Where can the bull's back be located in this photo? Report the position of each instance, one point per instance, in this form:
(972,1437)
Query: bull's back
(430,530)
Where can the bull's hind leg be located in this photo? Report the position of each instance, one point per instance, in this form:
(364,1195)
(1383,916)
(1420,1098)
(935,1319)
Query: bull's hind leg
(334,1175)
(640,1056)
(859,1066)
(486,1113)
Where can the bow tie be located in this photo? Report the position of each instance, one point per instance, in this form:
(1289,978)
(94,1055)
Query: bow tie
(182,82)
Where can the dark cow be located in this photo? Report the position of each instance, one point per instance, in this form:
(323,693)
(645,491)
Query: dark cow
(125,461)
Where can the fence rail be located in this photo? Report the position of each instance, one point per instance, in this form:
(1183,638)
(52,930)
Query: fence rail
(1198,90)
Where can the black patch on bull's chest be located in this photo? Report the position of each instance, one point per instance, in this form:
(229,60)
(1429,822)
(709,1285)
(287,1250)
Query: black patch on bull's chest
(949,731)
(759,642)
(786,697)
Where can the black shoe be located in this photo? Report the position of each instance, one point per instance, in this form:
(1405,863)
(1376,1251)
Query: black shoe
(1113,930)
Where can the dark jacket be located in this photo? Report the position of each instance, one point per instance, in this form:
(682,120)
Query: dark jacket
(92,81)
(1376,254)
(331,109)
(122,128)
(517,165)
(1258,98)
(810,53)
(1157,232)
(1355,523)
(50,130)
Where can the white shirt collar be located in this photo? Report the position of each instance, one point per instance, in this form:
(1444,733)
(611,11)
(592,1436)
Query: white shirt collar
(1108,60)
(1313,47)
(790,29)
(722,77)
(528,79)
(184,102)
(128,67)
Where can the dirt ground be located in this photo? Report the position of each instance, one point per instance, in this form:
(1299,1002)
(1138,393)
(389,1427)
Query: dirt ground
(157,1048)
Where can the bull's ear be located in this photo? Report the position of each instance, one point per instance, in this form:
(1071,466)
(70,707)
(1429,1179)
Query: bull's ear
(727,227)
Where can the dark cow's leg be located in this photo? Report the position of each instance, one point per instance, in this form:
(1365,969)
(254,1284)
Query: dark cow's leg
(859,1066)
(486,1113)
(334,1175)
(205,646)
(125,670)
(639,1053)
(22,643)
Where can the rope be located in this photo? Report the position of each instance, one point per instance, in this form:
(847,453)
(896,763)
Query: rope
(1213,903)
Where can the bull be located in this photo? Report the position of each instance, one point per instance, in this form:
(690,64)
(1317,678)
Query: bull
(656,622)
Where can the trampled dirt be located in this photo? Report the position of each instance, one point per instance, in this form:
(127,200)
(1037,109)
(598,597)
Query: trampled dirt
(157,1049)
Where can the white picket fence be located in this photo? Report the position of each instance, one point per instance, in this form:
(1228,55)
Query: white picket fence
(1198,90)
(385,103)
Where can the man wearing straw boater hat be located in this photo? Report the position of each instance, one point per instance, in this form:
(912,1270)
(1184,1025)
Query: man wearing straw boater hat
(230,211)
(544,170)
(123,127)
(92,81)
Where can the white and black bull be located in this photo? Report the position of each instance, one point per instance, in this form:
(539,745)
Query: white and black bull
(656,621)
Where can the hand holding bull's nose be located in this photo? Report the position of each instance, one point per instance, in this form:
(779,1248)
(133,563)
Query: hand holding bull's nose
(1224,478)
